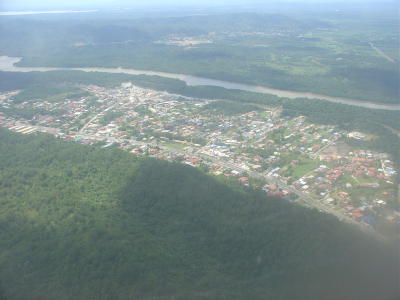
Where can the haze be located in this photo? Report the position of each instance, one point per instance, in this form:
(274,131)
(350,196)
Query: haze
(8,5)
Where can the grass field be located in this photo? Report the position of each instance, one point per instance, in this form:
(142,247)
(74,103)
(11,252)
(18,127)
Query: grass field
(305,167)
(176,146)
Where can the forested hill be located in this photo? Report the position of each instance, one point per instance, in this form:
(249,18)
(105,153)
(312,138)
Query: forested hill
(323,52)
(80,222)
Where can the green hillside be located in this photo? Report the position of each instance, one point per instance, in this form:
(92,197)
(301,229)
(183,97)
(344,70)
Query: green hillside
(80,222)
(324,52)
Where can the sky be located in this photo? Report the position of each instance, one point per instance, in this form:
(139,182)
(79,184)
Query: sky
(57,4)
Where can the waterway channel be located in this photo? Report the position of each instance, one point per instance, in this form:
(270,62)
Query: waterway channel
(7,63)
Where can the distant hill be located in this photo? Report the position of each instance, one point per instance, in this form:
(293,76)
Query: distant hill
(324,52)
(80,222)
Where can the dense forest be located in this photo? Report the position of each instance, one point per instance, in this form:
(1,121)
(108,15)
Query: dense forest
(81,222)
(230,108)
(329,54)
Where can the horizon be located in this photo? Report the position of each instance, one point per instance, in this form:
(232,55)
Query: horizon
(35,5)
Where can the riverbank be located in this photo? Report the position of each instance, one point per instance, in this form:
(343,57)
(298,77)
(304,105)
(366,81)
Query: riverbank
(8,64)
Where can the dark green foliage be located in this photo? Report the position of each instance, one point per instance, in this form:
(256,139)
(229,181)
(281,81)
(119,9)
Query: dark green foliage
(276,51)
(37,92)
(40,81)
(80,222)
(346,116)
(40,86)
(385,83)
(230,108)
(110,116)
(115,34)
(28,113)
(353,118)
(14,81)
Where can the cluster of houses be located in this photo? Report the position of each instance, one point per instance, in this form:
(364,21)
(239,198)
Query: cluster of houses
(354,182)
(160,124)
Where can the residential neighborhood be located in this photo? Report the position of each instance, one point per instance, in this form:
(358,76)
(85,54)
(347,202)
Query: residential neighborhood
(286,157)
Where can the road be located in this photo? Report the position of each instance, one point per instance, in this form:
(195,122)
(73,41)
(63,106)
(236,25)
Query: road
(394,131)
(302,196)
(229,165)
(314,155)
(95,117)
(381,53)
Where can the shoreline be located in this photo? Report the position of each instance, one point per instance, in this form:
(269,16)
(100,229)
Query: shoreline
(7,63)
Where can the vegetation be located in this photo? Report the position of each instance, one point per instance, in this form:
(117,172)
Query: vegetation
(230,108)
(329,55)
(28,113)
(110,116)
(377,122)
(302,168)
(80,222)
(52,93)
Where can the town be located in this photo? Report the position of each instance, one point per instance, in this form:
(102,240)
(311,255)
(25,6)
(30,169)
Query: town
(286,157)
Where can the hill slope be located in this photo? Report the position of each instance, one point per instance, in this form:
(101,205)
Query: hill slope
(80,222)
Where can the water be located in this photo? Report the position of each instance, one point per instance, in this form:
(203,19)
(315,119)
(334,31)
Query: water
(7,64)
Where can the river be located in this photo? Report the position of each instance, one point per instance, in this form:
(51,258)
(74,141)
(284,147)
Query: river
(8,64)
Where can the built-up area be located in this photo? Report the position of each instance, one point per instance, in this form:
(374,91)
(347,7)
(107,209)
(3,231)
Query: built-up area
(286,157)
